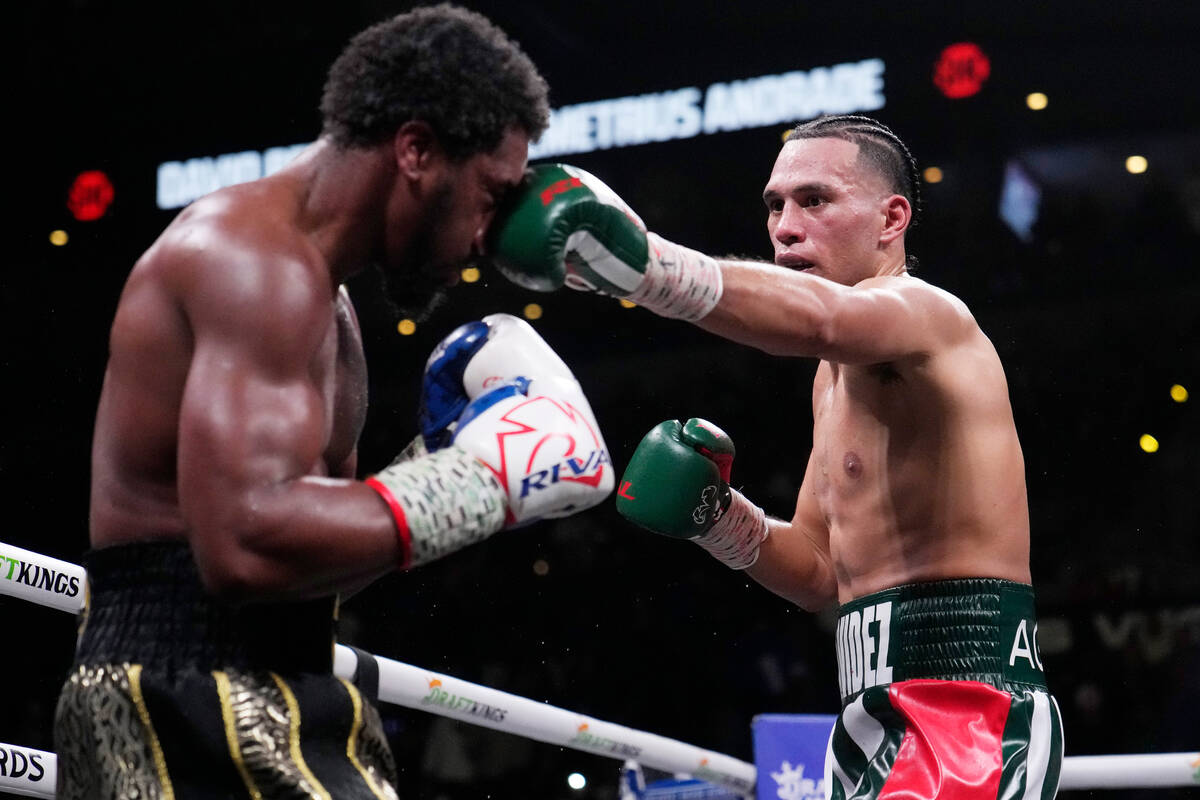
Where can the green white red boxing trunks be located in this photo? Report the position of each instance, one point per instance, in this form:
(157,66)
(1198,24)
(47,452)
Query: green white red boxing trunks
(175,696)
(943,695)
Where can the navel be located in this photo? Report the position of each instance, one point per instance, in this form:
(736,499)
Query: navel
(852,464)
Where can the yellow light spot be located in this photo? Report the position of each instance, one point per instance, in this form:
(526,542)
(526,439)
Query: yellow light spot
(1179,394)
(470,274)
(541,567)
(1036,101)
(58,238)
(627,303)
(783,136)
(406,327)
(1136,164)
(933,175)
(1148,443)
(533,311)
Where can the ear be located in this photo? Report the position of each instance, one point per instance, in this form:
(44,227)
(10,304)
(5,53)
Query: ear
(416,149)
(897,215)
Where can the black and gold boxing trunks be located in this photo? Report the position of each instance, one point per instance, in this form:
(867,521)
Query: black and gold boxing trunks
(174,695)
(943,695)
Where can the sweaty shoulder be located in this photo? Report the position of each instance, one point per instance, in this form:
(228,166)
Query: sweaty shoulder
(236,261)
(942,317)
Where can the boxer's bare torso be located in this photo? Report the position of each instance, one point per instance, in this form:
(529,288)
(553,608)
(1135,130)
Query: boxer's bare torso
(916,471)
(175,354)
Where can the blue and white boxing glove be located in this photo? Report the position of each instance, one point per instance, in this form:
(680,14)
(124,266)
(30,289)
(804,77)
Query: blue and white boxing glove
(498,390)
(509,438)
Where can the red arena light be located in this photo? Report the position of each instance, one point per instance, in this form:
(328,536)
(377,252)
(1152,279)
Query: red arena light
(961,70)
(90,196)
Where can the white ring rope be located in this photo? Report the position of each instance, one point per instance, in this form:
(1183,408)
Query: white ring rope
(406,685)
(28,772)
(62,585)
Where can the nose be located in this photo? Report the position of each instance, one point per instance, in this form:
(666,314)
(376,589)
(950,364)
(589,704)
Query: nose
(789,225)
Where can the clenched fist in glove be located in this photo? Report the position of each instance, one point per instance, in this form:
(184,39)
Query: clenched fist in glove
(677,484)
(507,438)
(563,226)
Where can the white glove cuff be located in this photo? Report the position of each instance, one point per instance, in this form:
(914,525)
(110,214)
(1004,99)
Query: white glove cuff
(735,539)
(441,503)
(680,283)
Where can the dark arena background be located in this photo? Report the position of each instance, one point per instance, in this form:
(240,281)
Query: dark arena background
(1060,144)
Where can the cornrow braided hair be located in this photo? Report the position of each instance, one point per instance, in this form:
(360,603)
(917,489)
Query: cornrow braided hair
(878,145)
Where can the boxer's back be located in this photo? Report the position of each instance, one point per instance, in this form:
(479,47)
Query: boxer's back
(135,441)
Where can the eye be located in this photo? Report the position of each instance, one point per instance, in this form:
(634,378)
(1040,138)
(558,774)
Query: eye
(813,200)
(774,205)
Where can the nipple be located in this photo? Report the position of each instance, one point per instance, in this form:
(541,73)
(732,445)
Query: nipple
(852,464)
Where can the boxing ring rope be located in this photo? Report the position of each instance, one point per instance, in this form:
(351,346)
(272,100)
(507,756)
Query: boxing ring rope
(62,585)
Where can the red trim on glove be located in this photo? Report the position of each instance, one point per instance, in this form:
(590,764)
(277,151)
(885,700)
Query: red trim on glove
(398,516)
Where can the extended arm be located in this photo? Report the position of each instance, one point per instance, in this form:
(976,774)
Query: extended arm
(567,228)
(790,313)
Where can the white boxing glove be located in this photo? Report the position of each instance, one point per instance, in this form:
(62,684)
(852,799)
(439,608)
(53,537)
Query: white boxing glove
(542,443)
(531,424)
(510,439)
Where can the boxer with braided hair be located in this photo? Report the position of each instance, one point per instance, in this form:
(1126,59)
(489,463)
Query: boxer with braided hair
(912,515)
(880,147)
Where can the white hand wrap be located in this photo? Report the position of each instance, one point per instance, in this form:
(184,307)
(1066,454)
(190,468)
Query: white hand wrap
(441,502)
(680,283)
(735,539)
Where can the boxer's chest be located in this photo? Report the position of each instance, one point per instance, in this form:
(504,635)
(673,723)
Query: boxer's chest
(860,436)
(343,380)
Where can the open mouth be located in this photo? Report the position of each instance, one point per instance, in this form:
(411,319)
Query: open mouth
(798,264)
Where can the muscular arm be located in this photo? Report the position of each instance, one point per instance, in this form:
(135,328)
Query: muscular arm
(794,561)
(262,519)
(789,313)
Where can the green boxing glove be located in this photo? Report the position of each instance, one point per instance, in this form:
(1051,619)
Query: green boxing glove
(677,484)
(563,226)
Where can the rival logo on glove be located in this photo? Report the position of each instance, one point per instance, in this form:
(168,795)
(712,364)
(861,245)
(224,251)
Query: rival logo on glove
(557,443)
(578,472)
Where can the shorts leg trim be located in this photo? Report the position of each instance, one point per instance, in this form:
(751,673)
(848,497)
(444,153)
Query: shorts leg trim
(102,737)
(863,746)
(294,738)
(231,735)
(262,729)
(1032,748)
(380,789)
(134,671)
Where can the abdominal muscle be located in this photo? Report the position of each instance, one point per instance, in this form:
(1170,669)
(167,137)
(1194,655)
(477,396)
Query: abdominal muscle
(915,488)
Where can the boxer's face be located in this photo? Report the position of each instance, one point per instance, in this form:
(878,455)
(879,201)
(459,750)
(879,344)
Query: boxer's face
(477,185)
(454,219)
(825,211)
